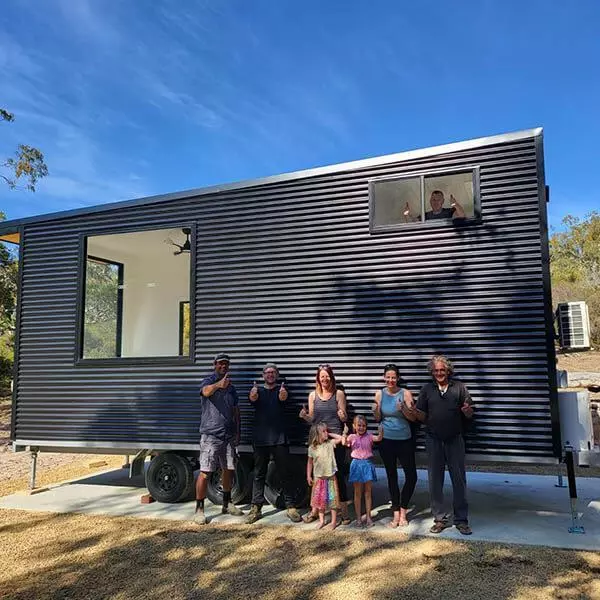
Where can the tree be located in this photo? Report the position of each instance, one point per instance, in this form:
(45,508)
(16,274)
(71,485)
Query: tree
(27,163)
(575,266)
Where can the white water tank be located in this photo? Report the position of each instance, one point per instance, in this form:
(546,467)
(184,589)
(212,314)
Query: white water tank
(576,420)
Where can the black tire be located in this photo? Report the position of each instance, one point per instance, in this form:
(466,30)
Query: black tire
(170,478)
(241,489)
(274,488)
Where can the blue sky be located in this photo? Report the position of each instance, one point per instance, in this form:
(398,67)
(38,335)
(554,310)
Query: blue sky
(128,99)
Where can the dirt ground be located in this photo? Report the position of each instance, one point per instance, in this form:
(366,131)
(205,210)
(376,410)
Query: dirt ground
(579,361)
(125,559)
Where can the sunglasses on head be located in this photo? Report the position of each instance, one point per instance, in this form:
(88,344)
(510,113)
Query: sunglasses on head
(324,366)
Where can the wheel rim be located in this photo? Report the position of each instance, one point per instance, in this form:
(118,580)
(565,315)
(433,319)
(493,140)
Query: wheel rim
(217,482)
(167,478)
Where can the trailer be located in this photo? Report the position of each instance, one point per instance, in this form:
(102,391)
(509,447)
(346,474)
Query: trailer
(122,307)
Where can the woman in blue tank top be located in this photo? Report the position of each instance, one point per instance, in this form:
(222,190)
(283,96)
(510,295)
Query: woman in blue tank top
(397,444)
(327,404)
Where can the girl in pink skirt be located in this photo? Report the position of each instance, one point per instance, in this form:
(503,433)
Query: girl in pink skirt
(320,474)
(362,470)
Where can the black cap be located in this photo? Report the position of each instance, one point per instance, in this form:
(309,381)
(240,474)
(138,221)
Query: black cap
(222,356)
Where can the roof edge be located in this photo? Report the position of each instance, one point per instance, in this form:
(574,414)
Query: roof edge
(12,225)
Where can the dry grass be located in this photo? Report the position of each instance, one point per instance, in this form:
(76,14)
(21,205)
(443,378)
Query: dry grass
(72,470)
(120,558)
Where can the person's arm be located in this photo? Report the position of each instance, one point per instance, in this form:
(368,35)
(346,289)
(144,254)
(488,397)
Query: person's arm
(379,436)
(283,393)
(377,406)
(459,211)
(422,407)
(308,415)
(467,402)
(209,390)
(337,439)
(340,397)
(237,419)
(309,470)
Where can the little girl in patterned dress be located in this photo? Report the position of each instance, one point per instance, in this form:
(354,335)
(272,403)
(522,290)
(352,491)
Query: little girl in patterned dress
(362,471)
(320,474)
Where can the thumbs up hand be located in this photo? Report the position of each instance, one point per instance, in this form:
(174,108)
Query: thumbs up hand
(467,410)
(254,393)
(283,393)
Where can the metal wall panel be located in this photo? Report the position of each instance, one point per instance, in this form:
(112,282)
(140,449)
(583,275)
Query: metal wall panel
(289,272)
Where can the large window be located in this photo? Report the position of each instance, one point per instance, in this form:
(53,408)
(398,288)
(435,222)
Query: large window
(438,198)
(137,295)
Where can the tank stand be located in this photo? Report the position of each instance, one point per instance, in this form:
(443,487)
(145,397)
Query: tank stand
(576,525)
(33,468)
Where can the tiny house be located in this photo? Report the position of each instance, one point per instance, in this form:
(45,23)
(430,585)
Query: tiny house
(122,307)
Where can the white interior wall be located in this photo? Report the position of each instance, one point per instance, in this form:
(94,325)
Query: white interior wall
(155,281)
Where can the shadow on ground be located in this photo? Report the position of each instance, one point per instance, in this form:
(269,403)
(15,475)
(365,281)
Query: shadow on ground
(77,556)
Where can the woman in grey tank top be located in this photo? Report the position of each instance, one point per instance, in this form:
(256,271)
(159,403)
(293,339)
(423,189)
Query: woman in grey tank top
(327,404)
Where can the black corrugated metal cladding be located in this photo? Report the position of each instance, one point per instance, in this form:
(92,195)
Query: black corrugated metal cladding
(289,272)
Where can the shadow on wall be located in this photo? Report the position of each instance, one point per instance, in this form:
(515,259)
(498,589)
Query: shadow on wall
(406,323)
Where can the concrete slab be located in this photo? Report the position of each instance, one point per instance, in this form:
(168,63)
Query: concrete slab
(513,509)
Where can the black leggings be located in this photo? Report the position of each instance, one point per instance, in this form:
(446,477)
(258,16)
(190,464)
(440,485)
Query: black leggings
(392,451)
(343,468)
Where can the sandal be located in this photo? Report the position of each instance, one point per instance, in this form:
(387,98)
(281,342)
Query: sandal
(439,526)
(464,528)
(309,518)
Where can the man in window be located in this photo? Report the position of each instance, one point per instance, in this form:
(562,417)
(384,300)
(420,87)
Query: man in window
(438,211)
(269,439)
(219,434)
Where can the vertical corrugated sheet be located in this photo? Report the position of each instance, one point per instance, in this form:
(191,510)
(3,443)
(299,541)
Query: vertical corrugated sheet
(289,272)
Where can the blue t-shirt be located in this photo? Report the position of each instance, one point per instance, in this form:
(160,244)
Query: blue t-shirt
(217,411)
(395,426)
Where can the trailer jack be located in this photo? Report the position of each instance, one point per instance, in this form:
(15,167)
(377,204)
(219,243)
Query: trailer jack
(33,469)
(576,525)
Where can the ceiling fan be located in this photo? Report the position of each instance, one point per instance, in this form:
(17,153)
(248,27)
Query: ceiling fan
(184,248)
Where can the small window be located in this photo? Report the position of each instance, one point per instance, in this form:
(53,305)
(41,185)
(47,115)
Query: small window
(435,198)
(137,295)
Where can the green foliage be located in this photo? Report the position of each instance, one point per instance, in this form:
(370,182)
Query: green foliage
(27,163)
(575,266)
(575,253)
(101,310)
(8,299)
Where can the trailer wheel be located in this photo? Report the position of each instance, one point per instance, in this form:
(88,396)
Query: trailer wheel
(274,488)
(170,478)
(241,489)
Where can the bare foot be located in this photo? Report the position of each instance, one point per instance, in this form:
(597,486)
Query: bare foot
(321,525)
(393,524)
(370,523)
(331,525)
(403,523)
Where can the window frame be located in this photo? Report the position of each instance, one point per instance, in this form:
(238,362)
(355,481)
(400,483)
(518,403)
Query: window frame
(422,175)
(120,281)
(78,359)
(182,304)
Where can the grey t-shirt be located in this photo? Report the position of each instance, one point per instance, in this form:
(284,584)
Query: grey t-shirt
(217,411)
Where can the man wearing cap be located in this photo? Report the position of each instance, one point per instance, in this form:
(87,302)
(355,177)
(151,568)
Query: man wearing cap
(269,440)
(219,434)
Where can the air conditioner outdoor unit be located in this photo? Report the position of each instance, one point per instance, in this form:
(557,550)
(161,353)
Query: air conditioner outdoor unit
(573,325)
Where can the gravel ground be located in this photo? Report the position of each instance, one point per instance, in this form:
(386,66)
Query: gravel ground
(51,467)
